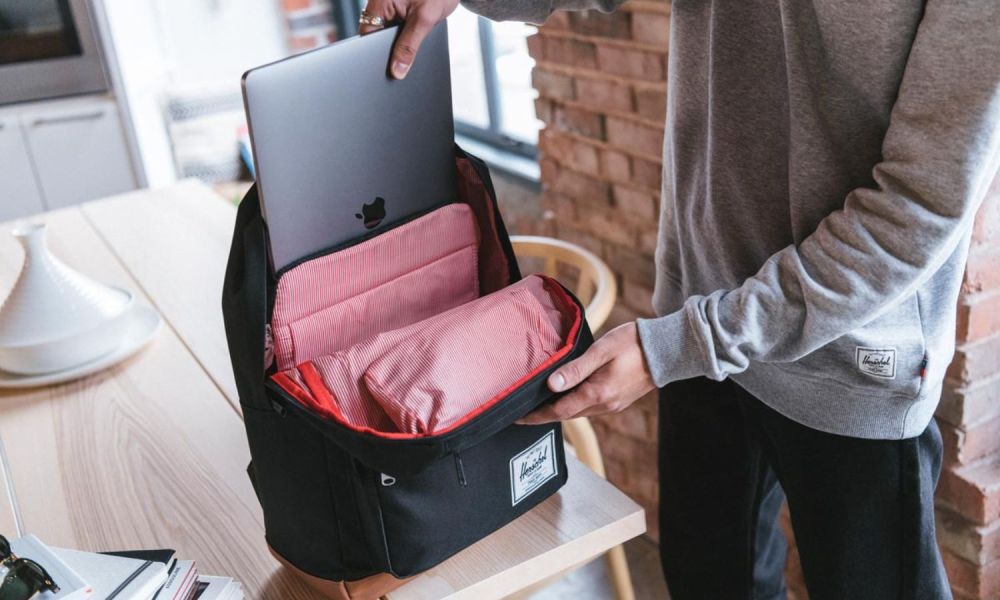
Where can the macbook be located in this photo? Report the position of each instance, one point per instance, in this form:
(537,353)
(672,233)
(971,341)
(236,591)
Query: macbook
(341,149)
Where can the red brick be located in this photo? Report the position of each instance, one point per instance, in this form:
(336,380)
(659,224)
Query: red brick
(963,576)
(646,491)
(571,232)
(983,269)
(973,491)
(543,109)
(565,209)
(648,240)
(634,204)
(631,264)
(634,64)
(965,445)
(549,170)
(615,470)
(653,524)
(594,23)
(604,94)
(635,136)
(570,52)
(604,225)
(966,405)
(979,544)
(536,47)
(631,423)
(582,188)
(794,577)
(616,166)
(651,28)
(975,361)
(638,297)
(647,173)
(978,315)
(638,456)
(559,19)
(583,122)
(552,85)
(970,580)
(570,151)
(987,227)
(652,104)
(620,314)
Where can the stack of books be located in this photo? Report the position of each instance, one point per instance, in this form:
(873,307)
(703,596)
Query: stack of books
(125,575)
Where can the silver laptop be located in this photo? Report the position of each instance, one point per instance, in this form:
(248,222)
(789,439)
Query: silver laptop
(341,149)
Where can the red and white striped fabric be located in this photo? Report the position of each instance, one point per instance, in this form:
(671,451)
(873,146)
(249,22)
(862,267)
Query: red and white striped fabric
(400,277)
(429,376)
(434,373)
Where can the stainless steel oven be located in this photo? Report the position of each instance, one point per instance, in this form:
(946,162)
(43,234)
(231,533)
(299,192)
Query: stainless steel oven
(48,48)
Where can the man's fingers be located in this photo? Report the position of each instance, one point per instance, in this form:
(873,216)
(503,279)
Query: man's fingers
(567,407)
(415,29)
(376,8)
(572,373)
(545,414)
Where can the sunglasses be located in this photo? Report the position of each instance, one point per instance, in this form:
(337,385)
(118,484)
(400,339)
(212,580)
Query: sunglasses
(24,577)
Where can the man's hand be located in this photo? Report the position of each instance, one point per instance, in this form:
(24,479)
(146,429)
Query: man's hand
(609,377)
(418,16)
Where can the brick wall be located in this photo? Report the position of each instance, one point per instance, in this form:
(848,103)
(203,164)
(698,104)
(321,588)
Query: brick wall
(601,83)
(968,496)
(309,23)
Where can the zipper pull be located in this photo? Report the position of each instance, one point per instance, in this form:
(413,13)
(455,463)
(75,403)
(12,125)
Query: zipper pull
(460,469)
(923,369)
(387,480)
(268,346)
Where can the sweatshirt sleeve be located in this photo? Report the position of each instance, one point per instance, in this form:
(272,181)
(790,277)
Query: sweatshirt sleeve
(534,11)
(939,154)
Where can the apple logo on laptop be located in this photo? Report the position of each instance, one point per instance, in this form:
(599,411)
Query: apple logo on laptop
(372,214)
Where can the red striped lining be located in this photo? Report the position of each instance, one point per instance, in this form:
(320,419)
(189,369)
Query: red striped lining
(321,400)
(298,322)
(400,277)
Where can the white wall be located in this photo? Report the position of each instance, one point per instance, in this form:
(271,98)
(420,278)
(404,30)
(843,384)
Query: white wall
(161,44)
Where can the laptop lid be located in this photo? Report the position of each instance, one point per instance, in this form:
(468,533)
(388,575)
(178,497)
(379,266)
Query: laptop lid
(341,149)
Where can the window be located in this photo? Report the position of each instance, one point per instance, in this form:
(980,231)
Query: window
(491,82)
(494,101)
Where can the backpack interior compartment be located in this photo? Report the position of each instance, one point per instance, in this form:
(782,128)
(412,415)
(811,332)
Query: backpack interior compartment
(417,330)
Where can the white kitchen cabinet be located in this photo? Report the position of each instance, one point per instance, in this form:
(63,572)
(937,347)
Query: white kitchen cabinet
(78,150)
(19,193)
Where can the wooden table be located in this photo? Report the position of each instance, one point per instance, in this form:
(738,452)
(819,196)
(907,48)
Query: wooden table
(152,453)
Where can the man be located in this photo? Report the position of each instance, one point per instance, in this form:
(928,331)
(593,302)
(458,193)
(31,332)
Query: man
(823,164)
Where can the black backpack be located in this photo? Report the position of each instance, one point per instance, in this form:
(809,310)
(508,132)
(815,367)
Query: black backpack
(342,504)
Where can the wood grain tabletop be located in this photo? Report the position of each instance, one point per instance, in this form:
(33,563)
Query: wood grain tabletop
(152,452)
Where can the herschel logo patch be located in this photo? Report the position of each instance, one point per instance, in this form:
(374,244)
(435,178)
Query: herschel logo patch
(532,467)
(877,362)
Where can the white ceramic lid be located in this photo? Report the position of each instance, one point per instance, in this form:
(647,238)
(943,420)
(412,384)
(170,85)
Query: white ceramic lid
(50,301)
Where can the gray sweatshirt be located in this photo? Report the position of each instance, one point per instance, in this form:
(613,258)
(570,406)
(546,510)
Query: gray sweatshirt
(823,164)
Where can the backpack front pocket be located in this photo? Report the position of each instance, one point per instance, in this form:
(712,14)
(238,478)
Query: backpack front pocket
(463,497)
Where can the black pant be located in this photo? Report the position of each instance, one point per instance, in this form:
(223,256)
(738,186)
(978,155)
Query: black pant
(862,510)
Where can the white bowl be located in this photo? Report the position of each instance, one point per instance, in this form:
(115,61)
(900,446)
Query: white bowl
(70,350)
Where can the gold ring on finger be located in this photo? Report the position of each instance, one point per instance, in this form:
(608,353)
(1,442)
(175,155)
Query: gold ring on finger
(369,19)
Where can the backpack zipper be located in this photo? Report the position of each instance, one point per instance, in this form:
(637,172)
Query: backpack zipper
(460,469)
